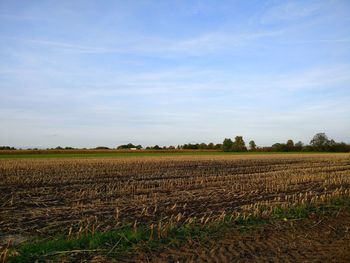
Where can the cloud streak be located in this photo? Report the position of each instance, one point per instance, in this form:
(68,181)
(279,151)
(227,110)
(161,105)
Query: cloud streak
(197,45)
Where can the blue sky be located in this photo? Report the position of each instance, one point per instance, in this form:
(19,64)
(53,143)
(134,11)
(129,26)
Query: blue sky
(89,73)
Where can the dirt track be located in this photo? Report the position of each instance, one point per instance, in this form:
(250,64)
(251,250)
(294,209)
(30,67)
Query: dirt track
(312,240)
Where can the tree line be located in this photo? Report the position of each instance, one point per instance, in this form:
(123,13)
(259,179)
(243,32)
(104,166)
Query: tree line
(319,143)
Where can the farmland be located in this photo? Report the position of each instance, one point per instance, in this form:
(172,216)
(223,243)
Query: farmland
(38,154)
(153,199)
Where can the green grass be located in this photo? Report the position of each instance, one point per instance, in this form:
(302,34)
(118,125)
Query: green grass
(102,242)
(134,154)
(303,211)
(119,242)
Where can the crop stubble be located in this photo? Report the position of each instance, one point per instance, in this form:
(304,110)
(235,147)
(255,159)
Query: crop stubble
(320,239)
(50,196)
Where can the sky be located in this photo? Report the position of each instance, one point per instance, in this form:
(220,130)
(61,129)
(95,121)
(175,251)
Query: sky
(105,73)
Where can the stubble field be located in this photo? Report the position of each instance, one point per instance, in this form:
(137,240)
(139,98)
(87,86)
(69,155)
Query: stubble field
(156,198)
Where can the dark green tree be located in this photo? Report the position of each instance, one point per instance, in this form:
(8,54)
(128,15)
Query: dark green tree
(290,145)
(211,145)
(279,147)
(101,148)
(239,144)
(252,145)
(320,142)
(227,145)
(7,148)
(202,146)
(218,146)
(298,146)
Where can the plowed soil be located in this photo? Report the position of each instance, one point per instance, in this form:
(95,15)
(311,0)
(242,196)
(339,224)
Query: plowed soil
(319,239)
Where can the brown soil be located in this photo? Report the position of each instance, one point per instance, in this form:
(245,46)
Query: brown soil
(312,240)
(49,196)
(46,197)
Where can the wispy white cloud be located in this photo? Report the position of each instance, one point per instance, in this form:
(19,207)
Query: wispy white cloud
(207,43)
(196,45)
(292,10)
(61,45)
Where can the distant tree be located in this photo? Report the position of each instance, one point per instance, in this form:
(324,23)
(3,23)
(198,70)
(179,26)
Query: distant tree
(190,146)
(101,148)
(279,147)
(298,146)
(340,147)
(171,147)
(129,146)
(320,142)
(227,145)
(7,148)
(69,148)
(290,145)
(202,146)
(307,148)
(211,146)
(218,146)
(239,144)
(156,147)
(252,145)
(124,146)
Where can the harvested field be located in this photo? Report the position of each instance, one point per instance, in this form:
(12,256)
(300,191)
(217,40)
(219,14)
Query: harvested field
(46,197)
(311,240)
